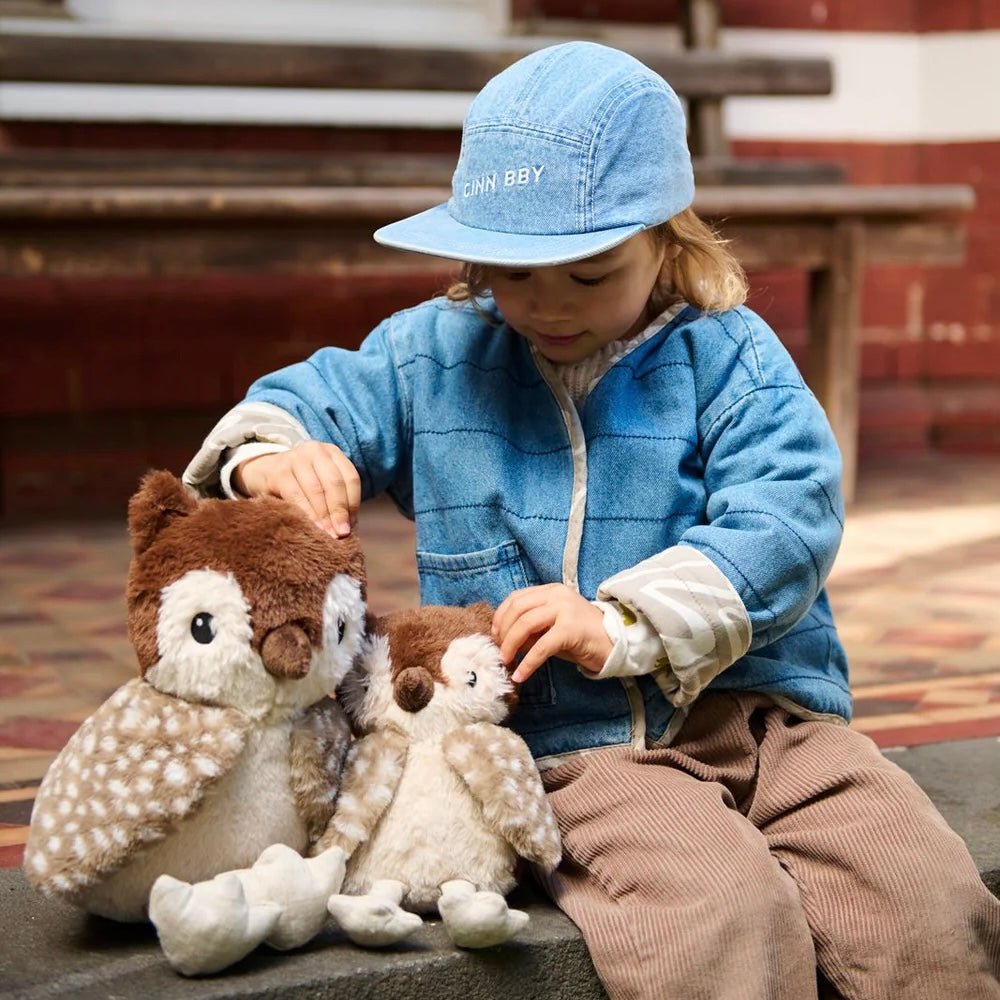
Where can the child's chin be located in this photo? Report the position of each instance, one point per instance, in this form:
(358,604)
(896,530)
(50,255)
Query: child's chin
(568,349)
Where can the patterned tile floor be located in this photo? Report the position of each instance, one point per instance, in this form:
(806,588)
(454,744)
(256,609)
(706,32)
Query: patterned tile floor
(916,589)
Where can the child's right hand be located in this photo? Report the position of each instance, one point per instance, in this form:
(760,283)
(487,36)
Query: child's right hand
(318,478)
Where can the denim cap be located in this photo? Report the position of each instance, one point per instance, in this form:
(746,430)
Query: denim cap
(565,154)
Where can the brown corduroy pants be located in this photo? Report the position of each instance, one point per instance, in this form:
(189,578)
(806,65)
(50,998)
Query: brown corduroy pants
(758,847)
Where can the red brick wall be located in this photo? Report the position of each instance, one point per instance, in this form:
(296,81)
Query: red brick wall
(102,379)
(931,336)
(835,15)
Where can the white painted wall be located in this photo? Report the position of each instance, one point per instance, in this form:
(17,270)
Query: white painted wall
(887,87)
(304,20)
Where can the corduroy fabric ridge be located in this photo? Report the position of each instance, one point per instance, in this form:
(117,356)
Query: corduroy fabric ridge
(758,846)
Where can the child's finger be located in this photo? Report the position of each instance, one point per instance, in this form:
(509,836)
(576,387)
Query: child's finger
(512,607)
(351,480)
(304,489)
(531,623)
(541,649)
(336,494)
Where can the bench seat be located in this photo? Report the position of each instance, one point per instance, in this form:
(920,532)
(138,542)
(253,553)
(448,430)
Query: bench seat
(831,231)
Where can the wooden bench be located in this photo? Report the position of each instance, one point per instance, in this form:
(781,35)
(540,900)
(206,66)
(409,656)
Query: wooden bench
(91,214)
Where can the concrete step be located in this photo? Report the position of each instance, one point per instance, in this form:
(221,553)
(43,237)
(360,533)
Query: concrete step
(51,950)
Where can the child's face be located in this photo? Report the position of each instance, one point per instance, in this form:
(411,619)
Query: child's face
(569,311)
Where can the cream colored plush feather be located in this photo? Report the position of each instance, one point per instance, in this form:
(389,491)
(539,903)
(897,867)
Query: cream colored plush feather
(438,798)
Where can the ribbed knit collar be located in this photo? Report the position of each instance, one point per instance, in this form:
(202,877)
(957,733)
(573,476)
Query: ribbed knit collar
(579,377)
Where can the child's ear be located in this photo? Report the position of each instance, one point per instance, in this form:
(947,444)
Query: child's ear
(161,498)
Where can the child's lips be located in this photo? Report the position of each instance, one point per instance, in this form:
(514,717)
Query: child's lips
(557,340)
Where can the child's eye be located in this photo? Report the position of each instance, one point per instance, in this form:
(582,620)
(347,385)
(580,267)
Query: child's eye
(589,282)
(518,275)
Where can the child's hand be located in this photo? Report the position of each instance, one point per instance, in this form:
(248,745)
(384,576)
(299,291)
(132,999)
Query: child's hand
(551,620)
(318,478)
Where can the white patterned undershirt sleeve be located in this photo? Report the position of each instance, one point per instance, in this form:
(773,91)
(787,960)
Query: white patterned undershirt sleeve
(675,615)
(247,430)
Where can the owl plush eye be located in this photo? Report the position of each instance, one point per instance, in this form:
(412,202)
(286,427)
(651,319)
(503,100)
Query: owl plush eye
(471,679)
(203,627)
(341,627)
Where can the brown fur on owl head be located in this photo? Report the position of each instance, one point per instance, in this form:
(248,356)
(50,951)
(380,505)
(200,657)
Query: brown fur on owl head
(240,603)
(429,670)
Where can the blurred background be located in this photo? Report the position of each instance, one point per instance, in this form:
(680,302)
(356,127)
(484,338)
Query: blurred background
(187,193)
(123,342)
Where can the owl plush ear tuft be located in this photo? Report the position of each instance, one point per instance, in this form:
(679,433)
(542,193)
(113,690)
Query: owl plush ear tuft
(161,499)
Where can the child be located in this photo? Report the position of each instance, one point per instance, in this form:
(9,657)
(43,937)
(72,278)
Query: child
(594,434)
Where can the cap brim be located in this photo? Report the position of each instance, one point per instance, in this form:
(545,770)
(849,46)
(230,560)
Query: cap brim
(436,232)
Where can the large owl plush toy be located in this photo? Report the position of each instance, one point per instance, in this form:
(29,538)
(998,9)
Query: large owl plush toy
(438,800)
(244,617)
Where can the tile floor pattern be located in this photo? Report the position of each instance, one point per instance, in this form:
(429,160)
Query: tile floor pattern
(916,590)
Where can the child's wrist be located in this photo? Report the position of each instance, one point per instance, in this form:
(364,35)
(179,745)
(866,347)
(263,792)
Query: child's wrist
(239,480)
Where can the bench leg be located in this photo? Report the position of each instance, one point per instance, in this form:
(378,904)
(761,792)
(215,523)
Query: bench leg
(833,363)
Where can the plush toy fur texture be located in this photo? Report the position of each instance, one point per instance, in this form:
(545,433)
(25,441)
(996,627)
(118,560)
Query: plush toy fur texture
(272,548)
(244,617)
(438,798)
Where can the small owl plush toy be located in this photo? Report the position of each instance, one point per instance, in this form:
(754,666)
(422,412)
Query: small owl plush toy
(244,616)
(438,800)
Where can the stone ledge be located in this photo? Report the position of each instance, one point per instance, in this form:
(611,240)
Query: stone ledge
(48,950)
(51,950)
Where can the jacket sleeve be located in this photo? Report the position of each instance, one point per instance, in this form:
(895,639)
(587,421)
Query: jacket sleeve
(354,399)
(774,519)
(774,510)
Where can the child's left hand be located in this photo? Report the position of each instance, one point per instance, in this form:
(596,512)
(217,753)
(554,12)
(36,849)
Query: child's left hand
(550,620)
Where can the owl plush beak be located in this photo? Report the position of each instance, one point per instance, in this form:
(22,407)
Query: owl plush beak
(286,652)
(412,689)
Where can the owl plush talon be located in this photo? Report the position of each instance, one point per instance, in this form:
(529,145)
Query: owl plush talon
(377,919)
(299,886)
(205,927)
(477,919)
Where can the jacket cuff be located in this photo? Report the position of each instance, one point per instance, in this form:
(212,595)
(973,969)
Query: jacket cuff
(701,621)
(247,422)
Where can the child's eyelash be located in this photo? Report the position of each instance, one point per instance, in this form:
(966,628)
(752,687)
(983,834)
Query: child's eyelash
(589,282)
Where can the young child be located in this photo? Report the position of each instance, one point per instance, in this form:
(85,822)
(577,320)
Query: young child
(593,433)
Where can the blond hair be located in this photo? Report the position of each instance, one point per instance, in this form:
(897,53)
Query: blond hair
(702,271)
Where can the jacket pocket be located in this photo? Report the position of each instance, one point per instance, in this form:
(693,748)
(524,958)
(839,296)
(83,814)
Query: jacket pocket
(465,577)
(485,575)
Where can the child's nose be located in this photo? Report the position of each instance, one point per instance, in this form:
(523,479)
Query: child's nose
(549,310)
(549,318)
(547,304)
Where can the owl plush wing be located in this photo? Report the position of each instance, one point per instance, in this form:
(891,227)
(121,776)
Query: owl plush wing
(371,775)
(321,737)
(500,772)
(136,767)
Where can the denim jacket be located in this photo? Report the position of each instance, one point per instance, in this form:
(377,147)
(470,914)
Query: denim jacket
(704,435)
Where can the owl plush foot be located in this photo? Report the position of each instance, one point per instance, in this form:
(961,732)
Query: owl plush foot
(205,927)
(377,919)
(299,886)
(477,919)
(280,901)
